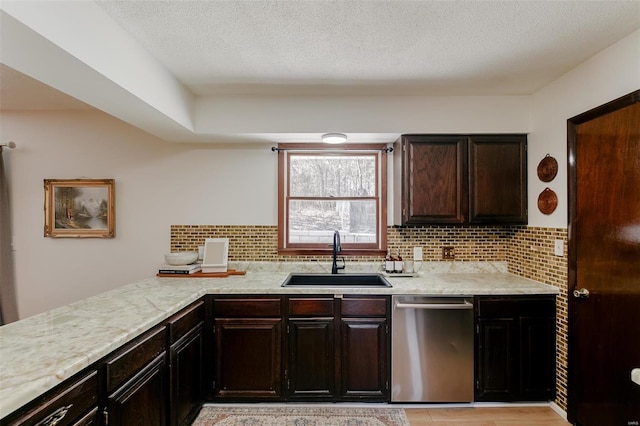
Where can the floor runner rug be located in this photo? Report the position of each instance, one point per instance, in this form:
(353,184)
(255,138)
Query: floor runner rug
(300,416)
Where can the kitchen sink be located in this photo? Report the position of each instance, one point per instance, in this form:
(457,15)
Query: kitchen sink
(336,280)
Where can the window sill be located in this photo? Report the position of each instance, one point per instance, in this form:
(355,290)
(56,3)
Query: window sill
(328,252)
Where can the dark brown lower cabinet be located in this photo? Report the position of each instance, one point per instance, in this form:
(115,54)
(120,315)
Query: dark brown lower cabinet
(155,379)
(247,348)
(516,342)
(136,382)
(248,360)
(142,399)
(365,348)
(338,348)
(186,373)
(311,372)
(497,374)
(311,338)
(364,359)
(186,364)
(299,348)
(288,348)
(537,358)
(72,403)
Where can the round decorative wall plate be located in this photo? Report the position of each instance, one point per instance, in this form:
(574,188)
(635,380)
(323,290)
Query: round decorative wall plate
(547,201)
(547,168)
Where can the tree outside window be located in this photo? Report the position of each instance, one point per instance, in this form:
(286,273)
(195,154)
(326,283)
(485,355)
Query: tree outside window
(327,189)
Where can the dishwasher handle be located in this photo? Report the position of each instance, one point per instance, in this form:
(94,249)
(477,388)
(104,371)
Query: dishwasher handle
(464,305)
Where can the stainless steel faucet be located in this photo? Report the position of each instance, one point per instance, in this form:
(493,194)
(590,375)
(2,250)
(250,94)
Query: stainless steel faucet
(337,248)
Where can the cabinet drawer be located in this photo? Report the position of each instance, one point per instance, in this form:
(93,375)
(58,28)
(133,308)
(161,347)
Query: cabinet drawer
(516,307)
(133,357)
(246,308)
(188,319)
(364,307)
(311,306)
(66,404)
(90,419)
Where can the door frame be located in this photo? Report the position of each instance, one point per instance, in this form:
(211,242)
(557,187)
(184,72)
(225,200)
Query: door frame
(572,126)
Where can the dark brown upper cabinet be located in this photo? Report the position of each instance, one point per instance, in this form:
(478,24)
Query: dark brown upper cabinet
(460,179)
(431,180)
(498,179)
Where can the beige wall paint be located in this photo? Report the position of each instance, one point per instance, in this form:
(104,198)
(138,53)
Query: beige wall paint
(157,184)
(160,184)
(610,74)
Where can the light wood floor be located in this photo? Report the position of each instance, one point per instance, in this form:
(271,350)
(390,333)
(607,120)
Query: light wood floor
(485,416)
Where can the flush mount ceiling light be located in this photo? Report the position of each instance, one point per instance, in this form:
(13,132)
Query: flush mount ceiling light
(334,138)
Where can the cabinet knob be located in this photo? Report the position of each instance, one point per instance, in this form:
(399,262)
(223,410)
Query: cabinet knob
(583,293)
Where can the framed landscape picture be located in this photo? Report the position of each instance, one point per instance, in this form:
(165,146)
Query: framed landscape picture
(79,208)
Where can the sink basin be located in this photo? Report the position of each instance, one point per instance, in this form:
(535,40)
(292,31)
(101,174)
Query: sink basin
(336,280)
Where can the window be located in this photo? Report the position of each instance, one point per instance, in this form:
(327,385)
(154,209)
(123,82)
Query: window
(323,189)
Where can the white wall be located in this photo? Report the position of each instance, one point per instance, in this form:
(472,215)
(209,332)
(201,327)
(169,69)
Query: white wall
(160,184)
(157,185)
(612,73)
(363,114)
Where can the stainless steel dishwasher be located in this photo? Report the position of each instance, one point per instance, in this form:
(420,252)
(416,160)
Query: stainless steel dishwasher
(432,349)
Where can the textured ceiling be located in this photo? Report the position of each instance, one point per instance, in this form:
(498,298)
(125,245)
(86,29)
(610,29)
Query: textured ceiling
(373,47)
(228,52)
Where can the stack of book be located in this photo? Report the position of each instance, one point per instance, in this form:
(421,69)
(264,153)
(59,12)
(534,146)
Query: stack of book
(180,269)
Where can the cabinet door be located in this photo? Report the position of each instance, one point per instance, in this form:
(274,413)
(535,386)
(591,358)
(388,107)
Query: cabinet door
(497,373)
(364,360)
(311,363)
(186,371)
(141,400)
(434,173)
(498,179)
(537,358)
(248,358)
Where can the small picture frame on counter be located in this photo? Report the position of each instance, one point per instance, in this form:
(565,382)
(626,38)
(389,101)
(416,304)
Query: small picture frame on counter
(216,253)
(79,208)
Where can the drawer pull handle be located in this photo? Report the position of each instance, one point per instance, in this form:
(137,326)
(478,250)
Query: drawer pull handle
(56,417)
(446,306)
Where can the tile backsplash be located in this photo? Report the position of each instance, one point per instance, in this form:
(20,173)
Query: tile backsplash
(246,243)
(528,252)
(531,255)
(260,243)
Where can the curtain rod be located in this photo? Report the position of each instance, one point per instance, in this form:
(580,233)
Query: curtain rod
(385,149)
(9,145)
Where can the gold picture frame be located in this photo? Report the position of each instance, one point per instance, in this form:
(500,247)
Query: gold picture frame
(79,208)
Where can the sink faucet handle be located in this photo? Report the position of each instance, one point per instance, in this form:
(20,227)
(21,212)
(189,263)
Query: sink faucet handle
(337,248)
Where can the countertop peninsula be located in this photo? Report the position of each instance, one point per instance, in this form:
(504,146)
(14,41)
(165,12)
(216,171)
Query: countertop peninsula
(40,352)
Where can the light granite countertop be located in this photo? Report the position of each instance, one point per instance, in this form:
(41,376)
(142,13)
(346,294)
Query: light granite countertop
(39,352)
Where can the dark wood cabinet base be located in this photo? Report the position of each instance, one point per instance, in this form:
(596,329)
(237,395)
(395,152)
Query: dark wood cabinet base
(301,348)
(515,348)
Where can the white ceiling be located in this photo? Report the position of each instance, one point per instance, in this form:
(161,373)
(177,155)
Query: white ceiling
(359,48)
(410,47)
